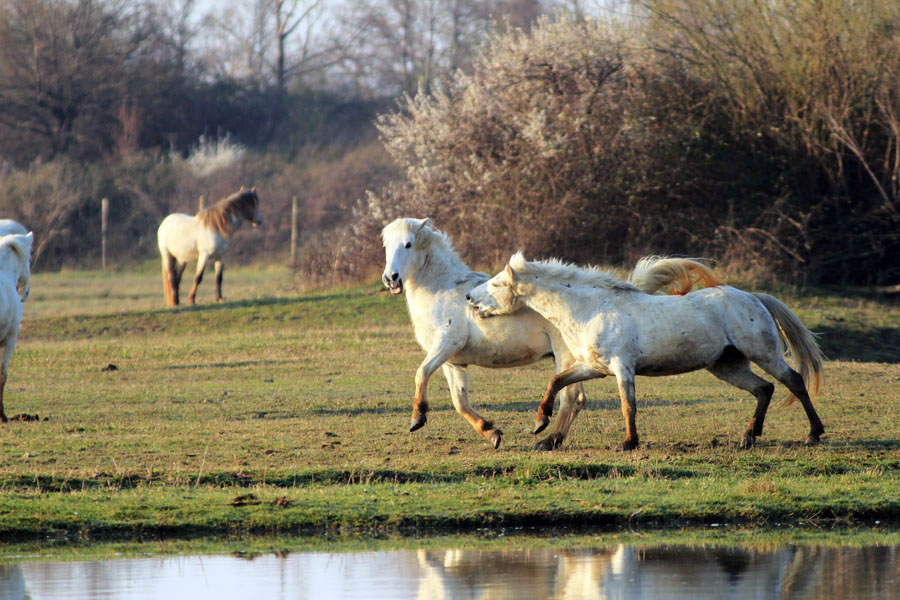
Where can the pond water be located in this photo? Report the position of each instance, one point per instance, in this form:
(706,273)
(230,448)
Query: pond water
(626,572)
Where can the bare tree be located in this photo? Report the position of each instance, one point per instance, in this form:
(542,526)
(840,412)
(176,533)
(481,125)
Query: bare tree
(63,68)
(408,45)
(279,40)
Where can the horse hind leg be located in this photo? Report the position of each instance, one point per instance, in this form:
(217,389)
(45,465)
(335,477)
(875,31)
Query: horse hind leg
(170,287)
(734,368)
(198,277)
(458,380)
(780,370)
(571,400)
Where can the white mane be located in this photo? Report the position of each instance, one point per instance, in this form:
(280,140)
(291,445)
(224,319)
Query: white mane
(567,273)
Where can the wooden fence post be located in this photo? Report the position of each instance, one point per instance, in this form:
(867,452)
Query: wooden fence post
(104,230)
(295,234)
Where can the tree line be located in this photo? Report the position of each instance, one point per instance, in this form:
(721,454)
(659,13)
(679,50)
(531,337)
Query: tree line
(766,135)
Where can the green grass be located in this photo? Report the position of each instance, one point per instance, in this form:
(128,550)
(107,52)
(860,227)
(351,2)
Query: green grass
(285,413)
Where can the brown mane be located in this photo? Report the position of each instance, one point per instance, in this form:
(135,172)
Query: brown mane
(218,216)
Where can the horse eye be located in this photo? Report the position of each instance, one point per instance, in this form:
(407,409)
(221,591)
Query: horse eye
(409,244)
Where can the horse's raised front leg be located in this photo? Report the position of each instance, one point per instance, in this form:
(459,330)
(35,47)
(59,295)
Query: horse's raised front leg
(198,277)
(458,380)
(625,380)
(219,266)
(437,355)
(574,374)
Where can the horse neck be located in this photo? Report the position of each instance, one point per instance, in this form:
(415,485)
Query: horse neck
(440,270)
(10,269)
(558,303)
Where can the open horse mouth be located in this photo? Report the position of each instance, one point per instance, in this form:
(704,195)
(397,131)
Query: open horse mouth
(396,287)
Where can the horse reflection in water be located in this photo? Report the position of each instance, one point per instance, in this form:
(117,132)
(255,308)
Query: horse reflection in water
(674,572)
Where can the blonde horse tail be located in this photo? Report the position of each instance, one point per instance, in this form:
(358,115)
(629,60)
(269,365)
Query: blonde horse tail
(168,285)
(653,273)
(801,342)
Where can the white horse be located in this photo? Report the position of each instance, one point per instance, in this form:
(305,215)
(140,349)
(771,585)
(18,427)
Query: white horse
(203,237)
(612,328)
(10,227)
(421,261)
(15,271)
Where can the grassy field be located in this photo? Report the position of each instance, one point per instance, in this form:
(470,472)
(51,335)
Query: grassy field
(284,413)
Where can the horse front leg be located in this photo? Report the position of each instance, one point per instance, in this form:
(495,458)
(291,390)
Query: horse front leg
(219,266)
(3,418)
(198,277)
(574,374)
(458,380)
(438,355)
(8,346)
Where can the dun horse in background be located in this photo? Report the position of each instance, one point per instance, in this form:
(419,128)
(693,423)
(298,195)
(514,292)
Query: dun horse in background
(612,328)
(203,237)
(420,261)
(15,271)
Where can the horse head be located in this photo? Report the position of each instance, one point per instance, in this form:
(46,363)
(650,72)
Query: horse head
(249,206)
(499,295)
(19,246)
(405,242)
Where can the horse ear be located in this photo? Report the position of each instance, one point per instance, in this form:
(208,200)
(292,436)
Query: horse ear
(510,273)
(425,221)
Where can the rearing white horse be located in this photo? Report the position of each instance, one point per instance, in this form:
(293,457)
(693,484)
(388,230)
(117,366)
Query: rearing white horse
(421,261)
(204,237)
(15,272)
(613,329)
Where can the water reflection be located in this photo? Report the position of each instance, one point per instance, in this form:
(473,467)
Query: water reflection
(671,572)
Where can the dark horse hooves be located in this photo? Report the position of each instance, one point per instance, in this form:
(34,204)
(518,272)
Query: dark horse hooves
(496,438)
(551,442)
(540,425)
(627,446)
(749,441)
(417,422)
(812,440)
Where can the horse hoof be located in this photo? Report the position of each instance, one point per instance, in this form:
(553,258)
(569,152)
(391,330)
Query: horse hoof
(749,442)
(812,440)
(540,425)
(417,422)
(551,442)
(496,438)
(627,446)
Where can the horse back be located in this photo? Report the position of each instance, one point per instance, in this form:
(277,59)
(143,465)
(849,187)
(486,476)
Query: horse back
(178,236)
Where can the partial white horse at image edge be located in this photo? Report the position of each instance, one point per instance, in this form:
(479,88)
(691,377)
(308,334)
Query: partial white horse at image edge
(11,227)
(612,328)
(420,261)
(15,272)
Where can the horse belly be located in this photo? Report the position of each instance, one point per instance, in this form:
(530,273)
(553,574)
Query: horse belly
(677,347)
(507,341)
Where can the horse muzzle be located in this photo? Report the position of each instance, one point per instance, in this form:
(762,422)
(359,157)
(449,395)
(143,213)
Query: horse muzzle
(393,283)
